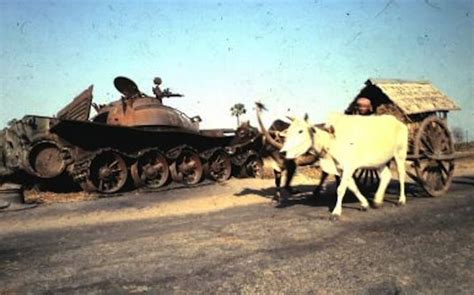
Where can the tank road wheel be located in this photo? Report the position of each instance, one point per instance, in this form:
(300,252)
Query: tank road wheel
(151,170)
(107,173)
(187,168)
(367,179)
(434,162)
(253,167)
(46,159)
(219,166)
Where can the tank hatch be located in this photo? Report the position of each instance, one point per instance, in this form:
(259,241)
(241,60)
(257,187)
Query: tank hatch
(126,86)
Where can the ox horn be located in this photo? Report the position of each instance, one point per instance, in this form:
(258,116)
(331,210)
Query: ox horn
(260,106)
(267,135)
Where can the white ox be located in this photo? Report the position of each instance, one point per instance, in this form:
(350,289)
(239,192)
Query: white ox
(353,142)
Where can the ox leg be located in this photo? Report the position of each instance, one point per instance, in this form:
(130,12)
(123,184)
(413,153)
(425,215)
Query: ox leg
(400,161)
(318,188)
(277,175)
(322,181)
(364,204)
(341,191)
(385,176)
(290,167)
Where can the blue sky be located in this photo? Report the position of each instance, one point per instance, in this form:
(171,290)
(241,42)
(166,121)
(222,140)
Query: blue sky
(306,56)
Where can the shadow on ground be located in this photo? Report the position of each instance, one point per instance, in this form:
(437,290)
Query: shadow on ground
(327,197)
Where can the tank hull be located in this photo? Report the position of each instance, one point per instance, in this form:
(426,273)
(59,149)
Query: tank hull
(44,149)
(90,136)
(132,142)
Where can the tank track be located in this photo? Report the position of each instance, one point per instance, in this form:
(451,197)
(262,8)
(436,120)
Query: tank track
(80,170)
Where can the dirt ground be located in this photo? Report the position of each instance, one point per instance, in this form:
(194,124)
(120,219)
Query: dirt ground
(229,239)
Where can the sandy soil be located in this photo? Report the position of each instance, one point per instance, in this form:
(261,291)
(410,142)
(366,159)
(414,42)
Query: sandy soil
(228,238)
(208,199)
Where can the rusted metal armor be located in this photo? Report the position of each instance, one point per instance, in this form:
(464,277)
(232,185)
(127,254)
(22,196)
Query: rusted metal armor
(132,142)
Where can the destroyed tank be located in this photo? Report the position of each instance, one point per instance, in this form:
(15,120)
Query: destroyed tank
(133,142)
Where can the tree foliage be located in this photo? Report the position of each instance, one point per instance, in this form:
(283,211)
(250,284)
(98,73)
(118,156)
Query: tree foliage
(237,110)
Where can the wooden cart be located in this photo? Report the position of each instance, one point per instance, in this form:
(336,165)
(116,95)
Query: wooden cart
(424,109)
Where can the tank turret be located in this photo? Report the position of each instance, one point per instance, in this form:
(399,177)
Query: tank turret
(136,109)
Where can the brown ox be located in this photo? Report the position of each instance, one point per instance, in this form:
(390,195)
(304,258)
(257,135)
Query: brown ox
(273,141)
(248,137)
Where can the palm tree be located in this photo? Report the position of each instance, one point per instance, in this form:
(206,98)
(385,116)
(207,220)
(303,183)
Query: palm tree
(237,110)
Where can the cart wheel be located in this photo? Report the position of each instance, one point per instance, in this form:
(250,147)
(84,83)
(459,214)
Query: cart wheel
(433,150)
(367,180)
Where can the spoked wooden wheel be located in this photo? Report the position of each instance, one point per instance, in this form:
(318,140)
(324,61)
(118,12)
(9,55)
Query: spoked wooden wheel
(151,170)
(187,168)
(367,179)
(253,167)
(434,161)
(107,173)
(219,166)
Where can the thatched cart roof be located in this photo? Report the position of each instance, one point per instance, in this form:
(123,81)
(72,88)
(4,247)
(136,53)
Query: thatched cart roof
(413,97)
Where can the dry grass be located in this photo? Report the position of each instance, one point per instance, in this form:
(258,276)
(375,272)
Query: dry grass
(308,171)
(34,196)
(464,167)
(464,146)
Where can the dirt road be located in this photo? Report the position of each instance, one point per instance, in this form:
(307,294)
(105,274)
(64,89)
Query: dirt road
(229,238)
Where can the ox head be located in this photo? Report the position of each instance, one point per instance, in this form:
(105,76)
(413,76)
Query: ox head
(299,138)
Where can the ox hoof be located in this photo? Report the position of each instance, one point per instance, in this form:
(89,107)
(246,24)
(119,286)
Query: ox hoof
(279,200)
(400,204)
(276,197)
(364,208)
(334,217)
(377,205)
(281,204)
